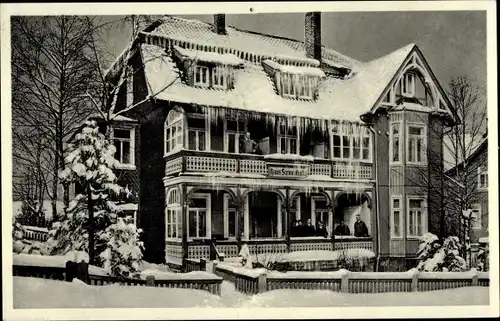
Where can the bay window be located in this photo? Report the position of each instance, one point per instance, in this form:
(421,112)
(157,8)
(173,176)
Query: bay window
(396,217)
(199,217)
(173,219)
(174,133)
(416,217)
(416,144)
(124,142)
(287,137)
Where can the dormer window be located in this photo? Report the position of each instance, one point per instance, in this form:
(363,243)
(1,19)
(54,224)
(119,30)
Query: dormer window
(201,77)
(408,84)
(295,82)
(219,78)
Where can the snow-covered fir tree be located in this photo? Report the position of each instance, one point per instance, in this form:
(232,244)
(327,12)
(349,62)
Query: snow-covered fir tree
(83,224)
(123,253)
(437,255)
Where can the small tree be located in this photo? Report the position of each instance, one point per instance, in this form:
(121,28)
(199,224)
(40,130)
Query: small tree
(440,256)
(89,164)
(123,253)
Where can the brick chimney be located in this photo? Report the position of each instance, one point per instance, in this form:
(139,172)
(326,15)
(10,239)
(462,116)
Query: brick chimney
(220,24)
(312,35)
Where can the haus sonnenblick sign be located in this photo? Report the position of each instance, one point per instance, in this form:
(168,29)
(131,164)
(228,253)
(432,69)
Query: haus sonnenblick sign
(287,171)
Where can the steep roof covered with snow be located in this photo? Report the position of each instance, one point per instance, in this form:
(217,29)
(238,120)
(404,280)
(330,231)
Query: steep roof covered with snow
(254,89)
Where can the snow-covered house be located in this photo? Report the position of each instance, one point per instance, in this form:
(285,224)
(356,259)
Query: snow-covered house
(335,137)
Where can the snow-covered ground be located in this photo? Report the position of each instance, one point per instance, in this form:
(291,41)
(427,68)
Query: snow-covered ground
(41,293)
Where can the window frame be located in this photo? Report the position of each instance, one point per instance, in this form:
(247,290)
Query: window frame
(218,71)
(424,216)
(206,131)
(409,137)
(226,208)
(476,224)
(288,137)
(408,85)
(306,84)
(201,83)
(342,132)
(238,133)
(289,84)
(391,142)
(169,123)
(175,207)
(479,174)
(208,217)
(131,164)
(315,210)
(401,217)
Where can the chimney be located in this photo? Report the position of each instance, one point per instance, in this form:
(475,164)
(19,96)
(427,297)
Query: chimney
(220,24)
(312,35)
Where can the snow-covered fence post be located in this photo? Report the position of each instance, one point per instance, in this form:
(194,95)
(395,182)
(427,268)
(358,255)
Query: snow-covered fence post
(414,281)
(344,282)
(475,277)
(150,280)
(262,283)
(214,268)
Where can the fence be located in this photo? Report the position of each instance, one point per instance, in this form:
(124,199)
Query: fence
(33,233)
(71,270)
(252,282)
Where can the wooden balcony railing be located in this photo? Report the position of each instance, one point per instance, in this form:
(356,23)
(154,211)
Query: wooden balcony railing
(196,161)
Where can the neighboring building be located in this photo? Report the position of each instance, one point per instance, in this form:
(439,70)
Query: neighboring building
(334,137)
(474,170)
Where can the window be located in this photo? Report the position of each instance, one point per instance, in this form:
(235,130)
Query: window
(396,219)
(321,213)
(306,87)
(230,213)
(197,134)
(395,142)
(351,141)
(234,131)
(287,137)
(218,77)
(416,144)
(476,220)
(173,215)
(199,216)
(123,140)
(287,85)
(174,133)
(201,76)
(482,178)
(417,217)
(408,84)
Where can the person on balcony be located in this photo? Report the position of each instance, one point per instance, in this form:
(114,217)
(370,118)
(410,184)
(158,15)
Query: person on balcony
(249,146)
(342,229)
(309,229)
(321,230)
(360,229)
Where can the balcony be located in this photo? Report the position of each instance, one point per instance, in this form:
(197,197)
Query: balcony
(261,166)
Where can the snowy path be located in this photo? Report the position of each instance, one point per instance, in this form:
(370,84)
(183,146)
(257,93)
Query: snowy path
(41,293)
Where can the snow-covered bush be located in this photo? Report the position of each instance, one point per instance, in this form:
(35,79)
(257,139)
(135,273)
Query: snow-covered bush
(123,253)
(90,219)
(436,255)
(17,231)
(483,257)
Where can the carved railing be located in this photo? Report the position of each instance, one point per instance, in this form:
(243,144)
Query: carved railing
(246,164)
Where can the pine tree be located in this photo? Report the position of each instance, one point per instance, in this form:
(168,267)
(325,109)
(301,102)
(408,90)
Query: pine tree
(89,164)
(437,255)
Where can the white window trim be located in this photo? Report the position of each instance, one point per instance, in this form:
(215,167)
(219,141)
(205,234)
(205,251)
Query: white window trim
(287,138)
(207,131)
(238,133)
(218,70)
(391,140)
(308,89)
(227,198)
(289,85)
(201,83)
(131,165)
(208,220)
(424,216)
(351,144)
(401,216)
(423,162)
(180,118)
(477,207)
(479,173)
(177,208)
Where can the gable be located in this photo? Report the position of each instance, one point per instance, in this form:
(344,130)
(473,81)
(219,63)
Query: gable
(425,89)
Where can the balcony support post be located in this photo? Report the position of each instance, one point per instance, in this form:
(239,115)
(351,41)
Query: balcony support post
(184,223)
(240,203)
(287,220)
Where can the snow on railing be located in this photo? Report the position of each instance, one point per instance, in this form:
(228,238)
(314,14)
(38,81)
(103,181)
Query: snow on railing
(34,233)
